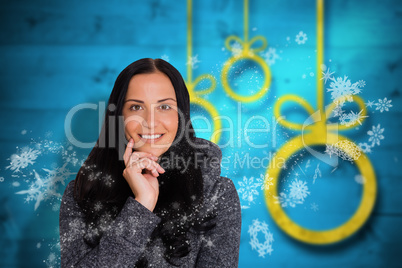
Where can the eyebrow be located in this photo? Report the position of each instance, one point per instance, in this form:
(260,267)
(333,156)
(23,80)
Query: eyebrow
(140,101)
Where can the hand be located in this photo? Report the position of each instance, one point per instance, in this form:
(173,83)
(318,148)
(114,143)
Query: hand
(145,187)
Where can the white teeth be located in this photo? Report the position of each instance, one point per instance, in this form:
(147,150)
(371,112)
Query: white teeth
(151,137)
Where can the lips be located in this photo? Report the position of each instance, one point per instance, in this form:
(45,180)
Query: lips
(150,138)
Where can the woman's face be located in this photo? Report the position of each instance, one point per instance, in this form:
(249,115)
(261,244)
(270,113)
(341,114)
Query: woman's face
(150,113)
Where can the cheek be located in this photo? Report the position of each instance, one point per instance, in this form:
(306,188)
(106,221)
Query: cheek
(133,123)
(171,123)
(133,127)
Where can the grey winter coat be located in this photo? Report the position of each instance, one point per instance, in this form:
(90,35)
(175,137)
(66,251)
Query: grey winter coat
(127,238)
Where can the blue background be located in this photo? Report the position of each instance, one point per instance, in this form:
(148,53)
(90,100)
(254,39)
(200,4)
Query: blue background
(57,54)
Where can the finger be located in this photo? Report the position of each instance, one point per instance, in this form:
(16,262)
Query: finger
(146,163)
(128,151)
(135,156)
(155,173)
(157,167)
(144,154)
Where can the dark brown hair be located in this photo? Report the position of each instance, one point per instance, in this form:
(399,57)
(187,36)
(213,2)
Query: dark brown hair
(100,188)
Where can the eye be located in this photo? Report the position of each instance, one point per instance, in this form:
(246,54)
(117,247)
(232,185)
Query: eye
(135,107)
(165,107)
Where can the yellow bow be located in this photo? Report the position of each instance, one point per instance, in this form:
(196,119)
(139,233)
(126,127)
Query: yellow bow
(248,52)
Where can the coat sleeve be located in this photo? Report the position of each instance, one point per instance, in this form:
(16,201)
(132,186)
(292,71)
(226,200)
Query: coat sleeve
(220,246)
(123,240)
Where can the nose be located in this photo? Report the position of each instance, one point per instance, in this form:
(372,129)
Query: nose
(151,120)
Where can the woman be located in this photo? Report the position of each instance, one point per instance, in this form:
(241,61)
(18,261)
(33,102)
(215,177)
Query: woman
(158,202)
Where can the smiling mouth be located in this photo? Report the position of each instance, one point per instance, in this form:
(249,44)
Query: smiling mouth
(150,137)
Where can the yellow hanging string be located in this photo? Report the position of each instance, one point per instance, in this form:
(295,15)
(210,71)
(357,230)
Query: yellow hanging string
(246,52)
(320,58)
(320,133)
(245,21)
(189,39)
(195,96)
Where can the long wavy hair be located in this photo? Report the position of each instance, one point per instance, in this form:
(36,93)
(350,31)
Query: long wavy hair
(101,190)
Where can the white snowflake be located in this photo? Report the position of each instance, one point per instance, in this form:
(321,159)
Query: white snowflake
(344,149)
(165,57)
(94,176)
(237,49)
(317,173)
(342,89)
(361,83)
(301,38)
(298,190)
(176,205)
(51,146)
(337,111)
(360,179)
(193,61)
(26,157)
(265,181)
(369,103)
(365,147)
(375,135)
(383,105)
(104,222)
(56,207)
(327,76)
(58,174)
(331,150)
(51,260)
(98,206)
(248,189)
(214,199)
(208,241)
(36,190)
(357,90)
(271,56)
(307,165)
(108,180)
(351,118)
(44,188)
(76,228)
(70,157)
(264,247)
(118,228)
(314,207)
(285,201)
(184,218)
